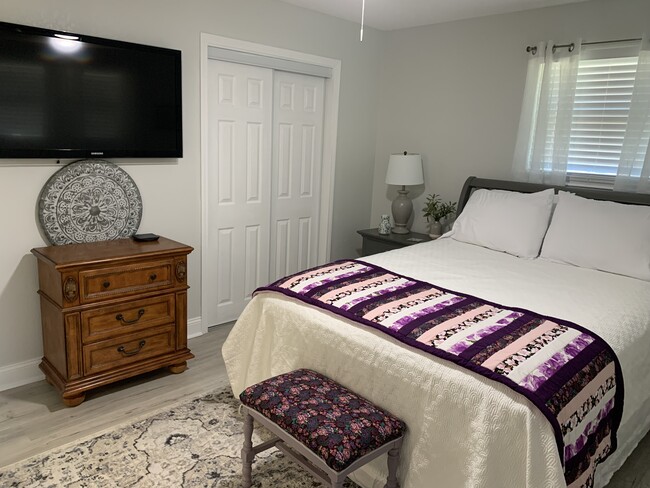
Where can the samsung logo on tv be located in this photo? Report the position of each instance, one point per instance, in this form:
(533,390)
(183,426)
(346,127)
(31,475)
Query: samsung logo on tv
(96,153)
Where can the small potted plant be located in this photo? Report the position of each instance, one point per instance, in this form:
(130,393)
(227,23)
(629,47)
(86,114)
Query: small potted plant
(436,210)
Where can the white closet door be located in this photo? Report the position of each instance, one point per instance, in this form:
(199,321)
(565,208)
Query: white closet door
(239,148)
(297,157)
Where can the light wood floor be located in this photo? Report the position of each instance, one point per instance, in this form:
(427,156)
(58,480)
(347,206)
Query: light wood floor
(33,419)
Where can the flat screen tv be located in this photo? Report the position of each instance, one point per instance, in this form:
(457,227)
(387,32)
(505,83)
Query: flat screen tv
(66,95)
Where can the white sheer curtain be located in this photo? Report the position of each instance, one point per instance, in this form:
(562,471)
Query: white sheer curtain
(634,166)
(542,149)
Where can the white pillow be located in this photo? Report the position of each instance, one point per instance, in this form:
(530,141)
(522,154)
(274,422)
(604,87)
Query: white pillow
(600,235)
(505,221)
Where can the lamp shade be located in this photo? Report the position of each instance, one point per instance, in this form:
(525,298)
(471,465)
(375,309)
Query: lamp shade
(404,169)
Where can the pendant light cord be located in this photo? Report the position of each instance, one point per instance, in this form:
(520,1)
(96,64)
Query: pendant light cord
(363,14)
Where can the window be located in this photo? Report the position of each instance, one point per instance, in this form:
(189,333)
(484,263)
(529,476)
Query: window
(601,107)
(586,116)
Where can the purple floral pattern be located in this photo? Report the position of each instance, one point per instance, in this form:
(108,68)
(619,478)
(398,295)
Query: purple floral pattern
(348,268)
(531,382)
(582,378)
(335,423)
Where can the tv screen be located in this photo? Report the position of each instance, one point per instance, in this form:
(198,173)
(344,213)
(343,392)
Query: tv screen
(68,95)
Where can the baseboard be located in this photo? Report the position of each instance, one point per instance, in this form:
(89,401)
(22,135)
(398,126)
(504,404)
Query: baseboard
(194,327)
(19,374)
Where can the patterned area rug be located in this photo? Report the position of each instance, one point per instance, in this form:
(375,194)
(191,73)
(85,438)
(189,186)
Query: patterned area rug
(194,444)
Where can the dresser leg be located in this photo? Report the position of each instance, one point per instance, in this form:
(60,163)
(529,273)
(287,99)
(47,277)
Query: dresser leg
(73,401)
(177,368)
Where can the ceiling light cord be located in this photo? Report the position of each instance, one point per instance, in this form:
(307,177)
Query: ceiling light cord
(363,15)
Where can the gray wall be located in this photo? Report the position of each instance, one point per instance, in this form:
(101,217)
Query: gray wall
(453,91)
(171,192)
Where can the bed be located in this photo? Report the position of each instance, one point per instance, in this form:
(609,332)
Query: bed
(464,429)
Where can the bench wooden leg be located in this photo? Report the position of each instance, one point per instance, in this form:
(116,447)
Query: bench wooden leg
(337,482)
(247,454)
(393,461)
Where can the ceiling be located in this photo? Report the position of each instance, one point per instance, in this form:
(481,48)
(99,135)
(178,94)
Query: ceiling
(399,14)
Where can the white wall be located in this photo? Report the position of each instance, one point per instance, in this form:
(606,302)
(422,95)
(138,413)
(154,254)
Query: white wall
(171,191)
(453,91)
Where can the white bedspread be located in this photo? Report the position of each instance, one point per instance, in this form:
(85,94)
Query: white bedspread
(464,430)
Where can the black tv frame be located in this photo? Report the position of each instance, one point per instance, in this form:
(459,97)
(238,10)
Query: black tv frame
(59,153)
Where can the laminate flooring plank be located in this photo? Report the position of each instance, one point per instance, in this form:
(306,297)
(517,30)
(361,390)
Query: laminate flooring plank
(34,420)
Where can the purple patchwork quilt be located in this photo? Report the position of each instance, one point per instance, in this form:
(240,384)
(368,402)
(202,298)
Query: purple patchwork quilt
(569,373)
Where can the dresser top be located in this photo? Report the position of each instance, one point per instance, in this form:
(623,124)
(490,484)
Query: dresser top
(99,252)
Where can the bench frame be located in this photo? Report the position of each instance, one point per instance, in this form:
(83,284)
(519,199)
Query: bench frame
(304,456)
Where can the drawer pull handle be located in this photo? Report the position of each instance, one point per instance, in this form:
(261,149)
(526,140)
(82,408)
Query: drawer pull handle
(134,352)
(106,284)
(153,277)
(120,318)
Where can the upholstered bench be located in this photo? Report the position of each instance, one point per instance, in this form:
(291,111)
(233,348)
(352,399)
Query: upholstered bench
(325,427)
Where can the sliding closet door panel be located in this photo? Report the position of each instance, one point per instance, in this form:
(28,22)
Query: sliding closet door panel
(297,157)
(239,148)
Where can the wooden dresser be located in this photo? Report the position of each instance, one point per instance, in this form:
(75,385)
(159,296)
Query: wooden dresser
(111,310)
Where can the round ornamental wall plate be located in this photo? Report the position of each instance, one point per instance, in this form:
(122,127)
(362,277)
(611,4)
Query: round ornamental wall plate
(87,201)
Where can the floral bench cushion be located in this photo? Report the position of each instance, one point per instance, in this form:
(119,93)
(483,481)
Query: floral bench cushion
(335,423)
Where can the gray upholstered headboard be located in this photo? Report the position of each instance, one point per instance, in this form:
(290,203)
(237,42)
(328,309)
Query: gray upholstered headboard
(473,183)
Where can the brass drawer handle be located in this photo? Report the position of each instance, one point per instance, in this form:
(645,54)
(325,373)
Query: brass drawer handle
(134,352)
(153,276)
(106,284)
(120,318)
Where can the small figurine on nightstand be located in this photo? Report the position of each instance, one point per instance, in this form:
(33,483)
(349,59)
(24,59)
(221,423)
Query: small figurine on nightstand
(435,210)
(384,225)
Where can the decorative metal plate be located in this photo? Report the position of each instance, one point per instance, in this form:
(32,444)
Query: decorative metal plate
(87,201)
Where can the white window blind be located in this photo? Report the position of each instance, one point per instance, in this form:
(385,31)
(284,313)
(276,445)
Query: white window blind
(600,113)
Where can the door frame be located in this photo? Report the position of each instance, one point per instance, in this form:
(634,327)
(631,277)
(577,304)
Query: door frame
(330,128)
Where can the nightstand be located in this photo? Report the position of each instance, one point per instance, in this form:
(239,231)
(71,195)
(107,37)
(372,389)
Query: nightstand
(374,242)
(112,310)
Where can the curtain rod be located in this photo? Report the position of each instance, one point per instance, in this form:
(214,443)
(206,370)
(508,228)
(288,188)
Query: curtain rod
(571,46)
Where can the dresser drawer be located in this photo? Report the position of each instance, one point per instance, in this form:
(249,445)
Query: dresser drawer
(115,353)
(104,283)
(126,318)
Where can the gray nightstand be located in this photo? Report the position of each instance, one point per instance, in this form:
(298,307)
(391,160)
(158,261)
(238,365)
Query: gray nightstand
(374,242)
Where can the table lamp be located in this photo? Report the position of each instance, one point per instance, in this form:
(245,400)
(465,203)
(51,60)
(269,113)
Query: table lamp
(403,169)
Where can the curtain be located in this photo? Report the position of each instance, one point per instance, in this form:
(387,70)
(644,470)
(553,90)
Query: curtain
(542,148)
(634,166)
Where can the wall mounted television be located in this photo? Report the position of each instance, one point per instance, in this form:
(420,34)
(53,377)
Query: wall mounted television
(66,95)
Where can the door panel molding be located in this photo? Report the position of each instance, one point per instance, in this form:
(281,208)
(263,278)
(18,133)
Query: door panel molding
(238,197)
(330,126)
(295,188)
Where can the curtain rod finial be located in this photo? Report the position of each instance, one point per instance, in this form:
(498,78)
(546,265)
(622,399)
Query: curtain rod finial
(531,49)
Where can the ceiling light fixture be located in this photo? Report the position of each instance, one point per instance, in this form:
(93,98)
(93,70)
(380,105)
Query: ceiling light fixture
(363,14)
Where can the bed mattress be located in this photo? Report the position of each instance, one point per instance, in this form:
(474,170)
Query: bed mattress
(464,430)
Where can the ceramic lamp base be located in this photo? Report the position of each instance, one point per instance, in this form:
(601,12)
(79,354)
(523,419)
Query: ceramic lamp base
(402,208)
(399,230)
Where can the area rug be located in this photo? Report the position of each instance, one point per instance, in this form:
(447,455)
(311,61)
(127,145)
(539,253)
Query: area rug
(193,444)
